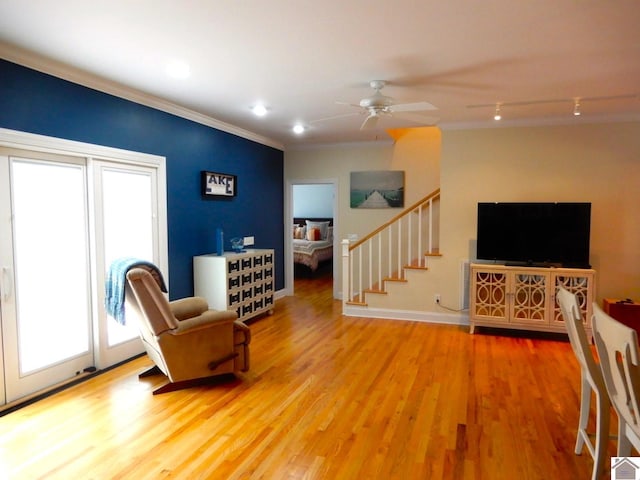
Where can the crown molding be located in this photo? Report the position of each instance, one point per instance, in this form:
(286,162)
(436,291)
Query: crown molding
(57,69)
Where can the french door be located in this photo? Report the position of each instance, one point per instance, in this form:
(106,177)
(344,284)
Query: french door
(126,226)
(63,220)
(46,324)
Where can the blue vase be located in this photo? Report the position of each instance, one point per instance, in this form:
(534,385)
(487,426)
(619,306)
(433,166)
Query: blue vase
(219,241)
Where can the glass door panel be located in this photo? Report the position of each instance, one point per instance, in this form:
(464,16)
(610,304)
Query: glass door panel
(125,209)
(50,255)
(47,338)
(128,230)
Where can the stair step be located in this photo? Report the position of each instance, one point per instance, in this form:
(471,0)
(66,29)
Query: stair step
(394,279)
(416,267)
(355,302)
(375,290)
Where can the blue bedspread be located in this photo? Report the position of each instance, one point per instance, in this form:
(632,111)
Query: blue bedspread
(116,281)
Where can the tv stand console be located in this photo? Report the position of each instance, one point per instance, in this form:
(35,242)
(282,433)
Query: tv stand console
(533,264)
(524,298)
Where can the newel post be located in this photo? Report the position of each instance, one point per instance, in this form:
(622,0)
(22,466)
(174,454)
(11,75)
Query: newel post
(346,277)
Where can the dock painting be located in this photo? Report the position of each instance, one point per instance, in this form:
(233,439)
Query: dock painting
(377,189)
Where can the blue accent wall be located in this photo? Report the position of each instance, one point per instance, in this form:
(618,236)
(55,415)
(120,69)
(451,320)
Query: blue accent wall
(34,102)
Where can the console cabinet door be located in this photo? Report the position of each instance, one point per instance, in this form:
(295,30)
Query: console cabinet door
(489,289)
(529,299)
(582,285)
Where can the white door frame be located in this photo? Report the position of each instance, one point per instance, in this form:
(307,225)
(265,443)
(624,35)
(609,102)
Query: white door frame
(288,232)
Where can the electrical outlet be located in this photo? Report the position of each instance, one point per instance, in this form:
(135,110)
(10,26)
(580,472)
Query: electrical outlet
(249,241)
(436,298)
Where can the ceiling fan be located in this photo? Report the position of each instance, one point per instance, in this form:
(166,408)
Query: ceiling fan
(378,105)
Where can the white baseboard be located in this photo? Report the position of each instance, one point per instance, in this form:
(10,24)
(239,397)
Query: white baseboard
(412,315)
(282,293)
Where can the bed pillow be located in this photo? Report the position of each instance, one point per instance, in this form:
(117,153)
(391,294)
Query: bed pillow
(314,234)
(299,232)
(322,226)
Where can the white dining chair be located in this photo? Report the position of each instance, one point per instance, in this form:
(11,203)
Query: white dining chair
(591,380)
(617,347)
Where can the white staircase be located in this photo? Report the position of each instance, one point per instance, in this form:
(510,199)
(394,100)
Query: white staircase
(384,270)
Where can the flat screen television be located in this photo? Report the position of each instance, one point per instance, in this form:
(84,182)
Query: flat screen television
(536,234)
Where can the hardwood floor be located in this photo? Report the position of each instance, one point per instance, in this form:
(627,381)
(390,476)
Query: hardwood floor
(327,397)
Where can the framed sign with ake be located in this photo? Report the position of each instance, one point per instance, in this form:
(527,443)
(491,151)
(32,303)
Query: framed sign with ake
(218,184)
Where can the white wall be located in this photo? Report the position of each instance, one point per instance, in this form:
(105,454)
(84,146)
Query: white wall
(313,200)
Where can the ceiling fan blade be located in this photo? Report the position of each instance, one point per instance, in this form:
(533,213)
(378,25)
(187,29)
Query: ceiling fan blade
(348,104)
(412,107)
(370,122)
(424,120)
(334,117)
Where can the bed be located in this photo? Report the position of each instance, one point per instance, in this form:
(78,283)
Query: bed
(312,248)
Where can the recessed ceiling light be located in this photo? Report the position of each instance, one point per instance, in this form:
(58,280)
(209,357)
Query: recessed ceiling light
(177,69)
(259,110)
(298,129)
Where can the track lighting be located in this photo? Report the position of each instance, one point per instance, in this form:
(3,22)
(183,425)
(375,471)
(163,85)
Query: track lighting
(497,115)
(577,103)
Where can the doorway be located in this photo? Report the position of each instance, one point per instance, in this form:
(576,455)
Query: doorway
(312,199)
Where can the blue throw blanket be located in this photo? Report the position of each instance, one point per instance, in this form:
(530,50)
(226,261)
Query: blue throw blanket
(117,279)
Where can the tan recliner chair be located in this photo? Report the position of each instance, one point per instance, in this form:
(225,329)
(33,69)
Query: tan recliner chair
(187,341)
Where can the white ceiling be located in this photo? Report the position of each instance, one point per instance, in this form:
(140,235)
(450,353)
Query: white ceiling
(299,57)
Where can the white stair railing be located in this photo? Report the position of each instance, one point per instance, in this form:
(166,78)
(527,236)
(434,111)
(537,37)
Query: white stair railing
(405,240)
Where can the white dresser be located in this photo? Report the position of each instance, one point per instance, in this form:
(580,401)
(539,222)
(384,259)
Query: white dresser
(236,281)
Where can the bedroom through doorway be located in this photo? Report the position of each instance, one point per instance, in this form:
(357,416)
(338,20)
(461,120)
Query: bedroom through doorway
(313,228)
